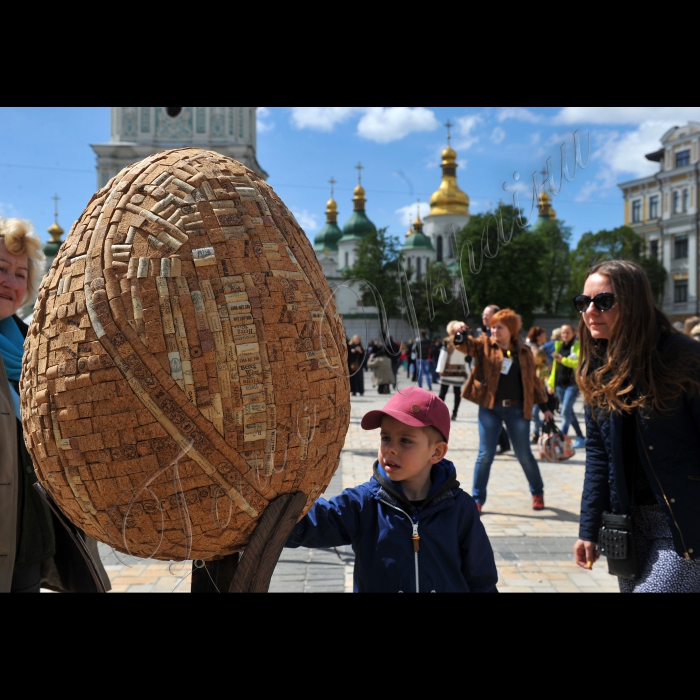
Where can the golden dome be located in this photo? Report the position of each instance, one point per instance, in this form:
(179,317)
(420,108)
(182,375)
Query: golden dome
(418,224)
(544,205)
(55,230)
(448,198)
(358,201)
(331,211)
(449,156)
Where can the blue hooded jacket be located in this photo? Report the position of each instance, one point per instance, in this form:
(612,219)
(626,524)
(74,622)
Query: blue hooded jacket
(452,552)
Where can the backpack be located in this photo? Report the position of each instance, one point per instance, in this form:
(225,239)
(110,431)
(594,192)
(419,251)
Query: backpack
(553,445)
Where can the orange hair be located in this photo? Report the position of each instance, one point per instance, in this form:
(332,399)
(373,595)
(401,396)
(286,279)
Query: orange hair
(510,320)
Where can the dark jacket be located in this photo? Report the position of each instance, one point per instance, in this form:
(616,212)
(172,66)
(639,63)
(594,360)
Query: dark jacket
(669,449)
(454,553)
(63,567)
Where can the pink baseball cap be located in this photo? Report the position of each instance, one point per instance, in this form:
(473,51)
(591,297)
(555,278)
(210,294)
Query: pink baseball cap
(415,407)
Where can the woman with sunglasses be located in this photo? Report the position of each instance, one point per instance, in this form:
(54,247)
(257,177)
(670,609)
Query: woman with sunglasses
(640,380)
(505,385)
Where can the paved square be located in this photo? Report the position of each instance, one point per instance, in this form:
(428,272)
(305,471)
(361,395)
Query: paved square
(533,549)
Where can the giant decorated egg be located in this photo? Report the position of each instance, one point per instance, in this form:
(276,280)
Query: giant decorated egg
(186,364)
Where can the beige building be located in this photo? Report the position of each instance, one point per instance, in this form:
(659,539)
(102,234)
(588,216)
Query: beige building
(663,208)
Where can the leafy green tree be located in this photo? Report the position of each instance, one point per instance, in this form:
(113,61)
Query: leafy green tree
(434,298)
(501,263)
(377,263)
(555,264)
(622,243)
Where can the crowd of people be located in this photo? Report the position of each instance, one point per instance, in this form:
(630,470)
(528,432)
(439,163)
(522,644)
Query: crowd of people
(640,380)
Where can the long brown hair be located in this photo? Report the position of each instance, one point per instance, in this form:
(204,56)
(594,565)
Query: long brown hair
(628,371)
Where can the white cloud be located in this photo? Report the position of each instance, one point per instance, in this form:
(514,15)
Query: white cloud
(497,135)
(535,138)
(625,153)
(261,126)
(386,124)
(407,214)
(306,220)
(627,115)
(379,124)
(321,118)
(8,211)
(520,114)
(465,126)
(622,156)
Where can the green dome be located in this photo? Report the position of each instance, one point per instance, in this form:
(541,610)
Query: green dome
(51,248)
(327,238)
(358,226)
(418,241)
(540,221)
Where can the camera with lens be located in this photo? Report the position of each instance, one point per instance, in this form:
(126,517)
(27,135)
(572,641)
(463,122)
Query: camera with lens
(459,338)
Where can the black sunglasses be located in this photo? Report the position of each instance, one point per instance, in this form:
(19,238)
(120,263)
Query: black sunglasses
(603,301)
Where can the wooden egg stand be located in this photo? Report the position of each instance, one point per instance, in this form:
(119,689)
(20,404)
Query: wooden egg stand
(249,571)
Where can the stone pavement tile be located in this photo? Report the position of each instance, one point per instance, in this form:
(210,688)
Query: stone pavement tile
(533,548)
(143,588)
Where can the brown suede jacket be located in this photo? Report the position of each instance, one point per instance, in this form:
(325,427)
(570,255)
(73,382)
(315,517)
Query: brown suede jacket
(483,381)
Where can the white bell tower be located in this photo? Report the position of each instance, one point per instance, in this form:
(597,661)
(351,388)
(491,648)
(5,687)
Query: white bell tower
(138,132)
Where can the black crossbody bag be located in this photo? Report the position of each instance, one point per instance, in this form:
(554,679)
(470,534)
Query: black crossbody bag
(616,541)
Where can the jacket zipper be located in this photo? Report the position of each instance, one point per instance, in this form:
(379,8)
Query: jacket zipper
(653,471)
(416,544)
(415,537)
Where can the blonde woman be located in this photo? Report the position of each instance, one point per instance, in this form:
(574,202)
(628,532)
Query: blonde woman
(27,528)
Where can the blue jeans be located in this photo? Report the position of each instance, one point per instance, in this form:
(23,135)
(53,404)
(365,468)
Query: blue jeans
(490,422)
(536,419)
(567,397)
(424,371)
(433,372)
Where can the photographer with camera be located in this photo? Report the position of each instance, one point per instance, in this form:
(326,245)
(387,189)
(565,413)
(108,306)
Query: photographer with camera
(505,386)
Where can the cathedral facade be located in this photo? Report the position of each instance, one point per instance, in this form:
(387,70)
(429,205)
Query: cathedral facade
(336,247)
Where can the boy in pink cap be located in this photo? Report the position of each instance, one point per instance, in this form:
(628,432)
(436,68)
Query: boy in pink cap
(411,526)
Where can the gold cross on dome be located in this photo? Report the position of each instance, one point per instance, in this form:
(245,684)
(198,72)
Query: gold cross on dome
(332,183)
(359,167)
(55,206)
(449,126)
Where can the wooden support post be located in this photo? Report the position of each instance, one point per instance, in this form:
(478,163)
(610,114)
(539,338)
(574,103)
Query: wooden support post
(251,573)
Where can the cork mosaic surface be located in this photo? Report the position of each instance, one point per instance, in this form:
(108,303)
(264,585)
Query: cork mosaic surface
(186,364)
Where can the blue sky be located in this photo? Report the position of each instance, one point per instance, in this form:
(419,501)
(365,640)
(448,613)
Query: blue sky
(46,151)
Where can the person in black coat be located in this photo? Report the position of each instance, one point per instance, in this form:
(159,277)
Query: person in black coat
(356,360)
(640,381)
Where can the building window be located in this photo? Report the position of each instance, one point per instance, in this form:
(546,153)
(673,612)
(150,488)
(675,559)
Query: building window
(347,259)
(636,211)
(654,207)
(419,267)
(439,248)
(681,247)
(686,195)
(680,291)
(676,202)
(682,158)
(654,250)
